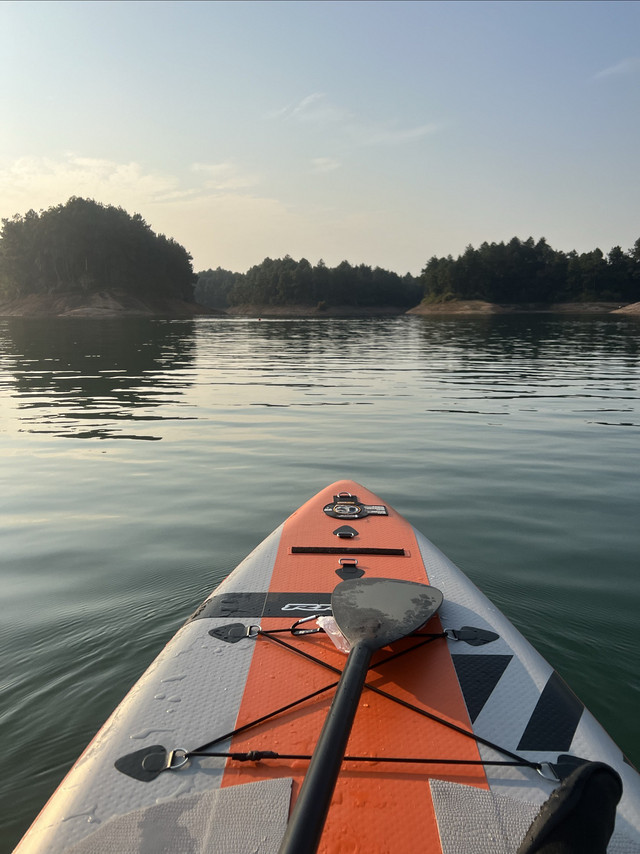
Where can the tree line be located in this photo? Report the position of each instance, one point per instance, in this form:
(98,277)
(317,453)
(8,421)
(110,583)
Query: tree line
(523,271)
(284,281)
(520,271)
(84,246)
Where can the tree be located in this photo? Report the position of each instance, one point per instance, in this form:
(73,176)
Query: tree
(214,286)
(523,271)
(284,281)
(86,246)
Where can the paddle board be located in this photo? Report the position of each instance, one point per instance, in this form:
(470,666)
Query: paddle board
(464,737)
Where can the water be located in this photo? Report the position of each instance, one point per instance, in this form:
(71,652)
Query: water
(141,460)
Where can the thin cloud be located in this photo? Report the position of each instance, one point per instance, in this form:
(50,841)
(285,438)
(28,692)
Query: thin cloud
(317,109)
(209,210)
(320,112)
(398,136)
(325,164)
(312,109)
(631,65)
(38,182)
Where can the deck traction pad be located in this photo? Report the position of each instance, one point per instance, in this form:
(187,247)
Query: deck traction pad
(211,822)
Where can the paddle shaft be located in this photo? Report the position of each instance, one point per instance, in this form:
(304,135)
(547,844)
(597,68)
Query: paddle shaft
(307,820)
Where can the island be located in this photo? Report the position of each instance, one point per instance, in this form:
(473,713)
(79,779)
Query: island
(87,259)
(529,276)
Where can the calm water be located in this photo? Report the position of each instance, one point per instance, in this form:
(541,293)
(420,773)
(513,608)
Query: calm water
(141,460)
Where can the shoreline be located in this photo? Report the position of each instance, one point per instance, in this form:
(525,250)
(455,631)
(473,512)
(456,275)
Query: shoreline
(251,310)
(112,304)
(480,307)
(451,308)
(103,304)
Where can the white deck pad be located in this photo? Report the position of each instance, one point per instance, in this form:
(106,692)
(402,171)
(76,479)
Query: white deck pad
(249,819)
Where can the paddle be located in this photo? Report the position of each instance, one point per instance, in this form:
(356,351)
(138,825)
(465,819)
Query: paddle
(371,613)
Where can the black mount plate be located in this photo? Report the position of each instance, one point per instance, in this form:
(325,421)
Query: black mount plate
(348,507)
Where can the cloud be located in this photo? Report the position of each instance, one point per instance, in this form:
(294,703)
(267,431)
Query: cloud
(40,182)
(318,110)
(347,127)
(209,209)
(631,65)
(213,210)
(314,109)
(325,164)
(397,136)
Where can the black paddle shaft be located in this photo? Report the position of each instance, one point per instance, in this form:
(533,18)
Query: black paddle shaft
(307,819)
(371,613)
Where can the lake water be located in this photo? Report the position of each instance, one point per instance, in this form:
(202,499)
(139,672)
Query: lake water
(141,460)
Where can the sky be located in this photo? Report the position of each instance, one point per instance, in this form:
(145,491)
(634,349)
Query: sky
(374,132)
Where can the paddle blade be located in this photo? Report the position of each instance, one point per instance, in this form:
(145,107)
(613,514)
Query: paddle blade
(379,611)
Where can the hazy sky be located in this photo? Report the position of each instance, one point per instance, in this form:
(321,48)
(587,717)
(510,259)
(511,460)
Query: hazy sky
(379,132)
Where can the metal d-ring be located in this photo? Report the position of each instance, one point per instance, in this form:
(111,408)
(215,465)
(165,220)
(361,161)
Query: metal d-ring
(182,756)
(550,775)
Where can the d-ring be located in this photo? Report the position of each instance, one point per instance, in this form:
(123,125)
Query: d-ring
(182,756)
(550,773)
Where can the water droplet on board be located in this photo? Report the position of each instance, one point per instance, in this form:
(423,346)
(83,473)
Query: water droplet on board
(87,814)
(186,785)
(147,732)
(183,652)
(159,696)
(174,678)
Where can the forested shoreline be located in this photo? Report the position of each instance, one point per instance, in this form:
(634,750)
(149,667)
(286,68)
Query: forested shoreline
(84,248)
(517,272)
(529,272)
(284,281)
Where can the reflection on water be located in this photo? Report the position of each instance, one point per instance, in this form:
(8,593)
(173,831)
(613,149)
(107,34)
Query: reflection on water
(515,360)
(535,336)
(100,379)
(97,379)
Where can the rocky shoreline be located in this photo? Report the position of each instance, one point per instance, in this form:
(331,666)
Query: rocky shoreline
(111,304)
(455,307)
(104,304)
